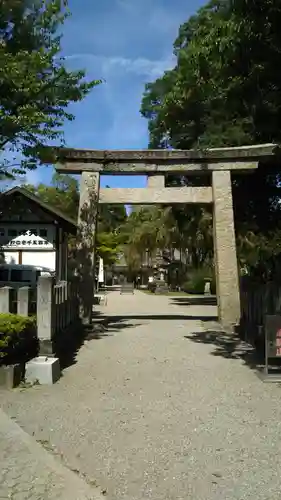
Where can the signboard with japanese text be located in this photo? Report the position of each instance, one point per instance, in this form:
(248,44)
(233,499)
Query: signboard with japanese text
(28,241)
(273,336)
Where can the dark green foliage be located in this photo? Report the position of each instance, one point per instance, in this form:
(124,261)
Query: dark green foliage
(18,339)
(225,87)
(197,279)
(225,90)
(152,286)
(35,85)
(63,194)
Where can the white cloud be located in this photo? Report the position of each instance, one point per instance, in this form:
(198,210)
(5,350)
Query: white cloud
(140,66)
(127,43)
(112,112)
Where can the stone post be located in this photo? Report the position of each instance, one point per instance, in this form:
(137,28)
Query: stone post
(227,278)
(57,308)
(45,314)
(5,299)
(87,223)
(60,269)
(64,304)
(23,301)
(155,181)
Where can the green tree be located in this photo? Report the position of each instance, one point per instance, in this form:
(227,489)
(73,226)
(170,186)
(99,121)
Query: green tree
(110,219)
(108,247)
(63,194)
(225,90)
(35,86)
(166,229)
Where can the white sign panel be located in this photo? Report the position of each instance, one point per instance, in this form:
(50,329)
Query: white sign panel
(28,241)
(101,271)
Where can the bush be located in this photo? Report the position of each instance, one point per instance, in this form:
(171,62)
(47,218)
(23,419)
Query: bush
(197,280)
(151,286)
(18,339)
(195,284)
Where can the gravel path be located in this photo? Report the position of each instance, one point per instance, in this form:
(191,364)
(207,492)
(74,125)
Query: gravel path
(28,472)
(150,412)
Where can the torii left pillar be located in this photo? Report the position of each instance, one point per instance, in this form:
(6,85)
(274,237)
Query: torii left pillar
(87,228)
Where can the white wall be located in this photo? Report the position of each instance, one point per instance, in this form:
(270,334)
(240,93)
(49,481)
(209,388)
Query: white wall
(44,259)
(11,257)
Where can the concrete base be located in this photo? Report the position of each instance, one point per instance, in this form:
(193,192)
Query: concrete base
(10,376)
(44,370)
(271,376)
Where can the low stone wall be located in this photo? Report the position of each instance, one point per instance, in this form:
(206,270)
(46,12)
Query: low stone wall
(56,306)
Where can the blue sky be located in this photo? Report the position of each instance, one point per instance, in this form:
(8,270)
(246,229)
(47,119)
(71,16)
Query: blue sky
(127,43)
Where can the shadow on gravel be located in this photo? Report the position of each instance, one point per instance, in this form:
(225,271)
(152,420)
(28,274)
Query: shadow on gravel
(69,344)
(195,301)
(159,317)
(107,327)
(230,346)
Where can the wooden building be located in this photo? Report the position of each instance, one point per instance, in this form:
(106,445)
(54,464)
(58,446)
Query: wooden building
(34,233)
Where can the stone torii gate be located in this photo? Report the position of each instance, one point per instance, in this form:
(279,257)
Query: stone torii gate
(217,163)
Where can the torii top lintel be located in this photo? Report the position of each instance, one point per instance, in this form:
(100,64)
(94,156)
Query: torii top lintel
(242,158)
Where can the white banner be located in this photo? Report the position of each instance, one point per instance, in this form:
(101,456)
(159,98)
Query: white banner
(101,271)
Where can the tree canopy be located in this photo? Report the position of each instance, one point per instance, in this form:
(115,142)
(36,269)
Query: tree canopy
(35,85)
(225,87)
(63,194)
(153,229)
(225,90)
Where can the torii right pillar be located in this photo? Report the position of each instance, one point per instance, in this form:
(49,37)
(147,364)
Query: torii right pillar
(227,275)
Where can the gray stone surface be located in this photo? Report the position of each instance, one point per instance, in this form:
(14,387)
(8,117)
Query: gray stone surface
(86,255)
(242,159)
(226,266)
(132,167)
(228,153)
(10,376)
(156,407)
(148,196)
(43,370)
(23,300)
(5,299)
(155,181)
(217,161)
(29,472)
(45,306)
